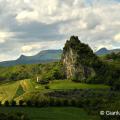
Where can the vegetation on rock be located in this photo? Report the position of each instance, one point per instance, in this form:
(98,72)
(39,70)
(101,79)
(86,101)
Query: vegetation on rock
(81,64)
(77,60)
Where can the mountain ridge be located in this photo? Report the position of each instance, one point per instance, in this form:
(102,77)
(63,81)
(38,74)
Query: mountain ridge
(42,57)
(46,56)
(104,51)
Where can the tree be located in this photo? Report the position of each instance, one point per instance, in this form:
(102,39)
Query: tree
(73,102)
(116,85)
(52,102)
(21,102)
(29,103)
(13,103)
(65,102)
(6,103)
(58,102)
(36,103)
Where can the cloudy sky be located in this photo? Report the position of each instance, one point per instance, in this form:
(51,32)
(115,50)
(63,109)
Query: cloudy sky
(29,26)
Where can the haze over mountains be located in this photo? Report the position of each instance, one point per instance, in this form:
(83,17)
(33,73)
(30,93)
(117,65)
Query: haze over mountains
(47,56)
(104,51)
(41,57)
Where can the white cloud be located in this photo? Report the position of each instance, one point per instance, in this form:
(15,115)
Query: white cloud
(47,24)
(51,11)
(41,11)
(26,48)
(34,48)
(4,36)
(4,57)
(117,37)
(25,16)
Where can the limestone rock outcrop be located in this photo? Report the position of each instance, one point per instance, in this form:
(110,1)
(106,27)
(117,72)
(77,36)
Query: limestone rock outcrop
(77,59)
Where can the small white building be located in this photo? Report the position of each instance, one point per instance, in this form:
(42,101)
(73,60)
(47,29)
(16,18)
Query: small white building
(38,78)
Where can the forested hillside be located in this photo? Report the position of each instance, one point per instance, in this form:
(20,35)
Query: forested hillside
(49,71)
(86,67)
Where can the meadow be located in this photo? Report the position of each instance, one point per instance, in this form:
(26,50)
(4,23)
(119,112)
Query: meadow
(50,113)
(16,89)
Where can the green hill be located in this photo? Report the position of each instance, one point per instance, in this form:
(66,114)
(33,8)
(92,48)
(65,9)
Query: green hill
(12,90)
(57,83)
(25,88)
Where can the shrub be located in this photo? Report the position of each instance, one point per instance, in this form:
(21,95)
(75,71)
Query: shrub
(73,102)
(22,116)
(116,85)
(21,102)
(43,82)
(13,103)
(36,103)
(47,87)
(87,102)
(13,116)
(65,102)
(43,103)
(79,103)
(58,102)
(6,103)
(52,102)
(29,103)
(0,103)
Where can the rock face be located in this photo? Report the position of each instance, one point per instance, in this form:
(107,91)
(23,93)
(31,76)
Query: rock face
(77,59)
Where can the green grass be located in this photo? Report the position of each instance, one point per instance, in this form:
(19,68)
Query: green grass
(51,113)
(8,90)
(66,84)
(27,85)
(18,89)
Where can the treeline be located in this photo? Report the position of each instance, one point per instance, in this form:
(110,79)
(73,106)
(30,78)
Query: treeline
(108,71)
(113,56)
(13,116)
(50,71)
(106,74)
(92,106)
(103,72)
(44,103)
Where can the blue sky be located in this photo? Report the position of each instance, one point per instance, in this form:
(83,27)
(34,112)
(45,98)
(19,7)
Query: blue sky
(27,27)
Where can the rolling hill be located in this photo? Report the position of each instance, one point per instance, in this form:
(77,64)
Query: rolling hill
(25,89)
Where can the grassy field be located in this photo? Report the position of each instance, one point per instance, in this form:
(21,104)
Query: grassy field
(29,89)
(66,84)
(51,113)
(13,90)
(8,90)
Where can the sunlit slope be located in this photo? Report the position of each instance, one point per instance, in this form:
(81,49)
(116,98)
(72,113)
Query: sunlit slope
(11,90)
(8,90)
(25,88)
(27,85)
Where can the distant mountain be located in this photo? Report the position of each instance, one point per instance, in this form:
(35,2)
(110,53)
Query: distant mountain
(104,51)
(47,56)
(42,57)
